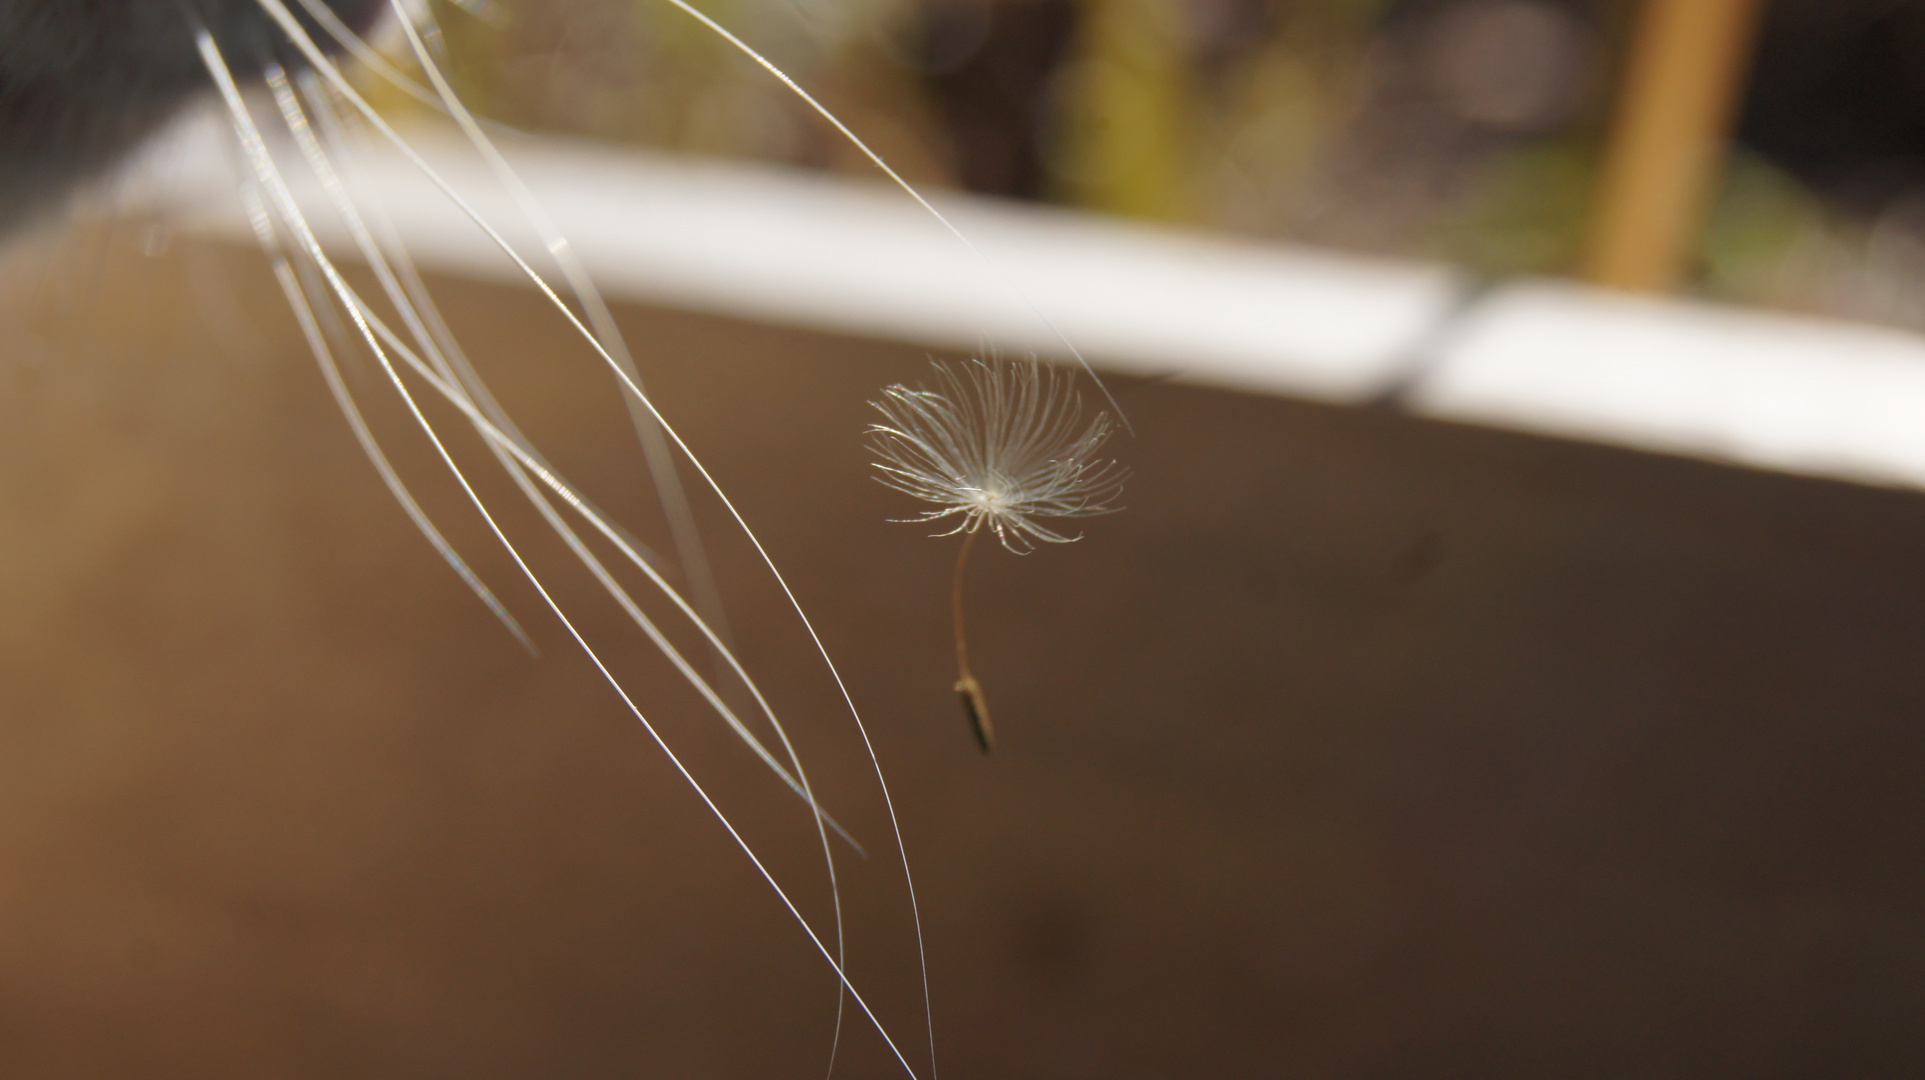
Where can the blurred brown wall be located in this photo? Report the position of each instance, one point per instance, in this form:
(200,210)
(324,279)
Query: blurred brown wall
(1358,746)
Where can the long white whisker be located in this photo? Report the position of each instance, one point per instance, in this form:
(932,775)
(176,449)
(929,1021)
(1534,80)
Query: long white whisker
(269,177)
(304,315)
(876,159)
(526,460)
(370,446)
(553,481)
(661,464)
(279,12)
(331,183)
(696,569)
(446,346)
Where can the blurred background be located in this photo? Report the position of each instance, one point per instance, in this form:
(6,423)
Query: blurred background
(1477,131)
(1366,742)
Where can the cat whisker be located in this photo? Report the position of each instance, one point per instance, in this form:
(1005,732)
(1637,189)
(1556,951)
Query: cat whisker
(413,307)
(689,549)
(910,189)
(279,13)
(289,213)
(304,307)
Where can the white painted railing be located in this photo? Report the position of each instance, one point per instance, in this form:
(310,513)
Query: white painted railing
(1766,390)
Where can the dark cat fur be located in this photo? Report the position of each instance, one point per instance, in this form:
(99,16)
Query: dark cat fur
(83,82)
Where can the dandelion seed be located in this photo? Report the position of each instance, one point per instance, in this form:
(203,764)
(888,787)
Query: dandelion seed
(1002,444)
(997,445)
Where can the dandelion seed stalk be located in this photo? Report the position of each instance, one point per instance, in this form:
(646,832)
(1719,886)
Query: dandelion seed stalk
(967,687)
(1003,445)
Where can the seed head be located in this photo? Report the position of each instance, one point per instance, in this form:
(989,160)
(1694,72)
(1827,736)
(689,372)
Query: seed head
(1003,443)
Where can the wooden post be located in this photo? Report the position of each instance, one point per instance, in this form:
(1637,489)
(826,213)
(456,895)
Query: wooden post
(1681,87)
(1125,137)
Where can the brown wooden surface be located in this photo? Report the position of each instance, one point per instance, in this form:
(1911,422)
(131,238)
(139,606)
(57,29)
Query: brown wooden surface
(1358,746)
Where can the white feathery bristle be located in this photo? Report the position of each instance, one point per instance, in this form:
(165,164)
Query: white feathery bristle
(1002,444)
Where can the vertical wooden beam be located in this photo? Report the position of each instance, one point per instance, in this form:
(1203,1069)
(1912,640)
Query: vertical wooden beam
(1681,87)
(1126,130)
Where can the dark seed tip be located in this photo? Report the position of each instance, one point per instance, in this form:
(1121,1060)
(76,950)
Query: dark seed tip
(977,710)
